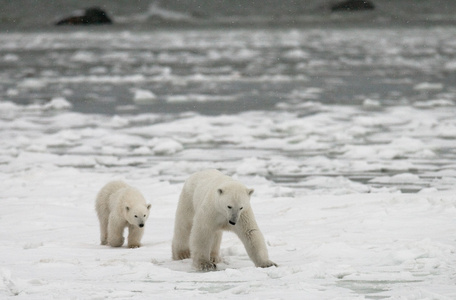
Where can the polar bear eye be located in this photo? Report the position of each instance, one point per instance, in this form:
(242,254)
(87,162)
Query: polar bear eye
(241,208)
(136,216)
(144,216)
(229,207)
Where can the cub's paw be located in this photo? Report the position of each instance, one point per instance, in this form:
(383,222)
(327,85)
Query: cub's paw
(116,242)
(134,245)
(216,259)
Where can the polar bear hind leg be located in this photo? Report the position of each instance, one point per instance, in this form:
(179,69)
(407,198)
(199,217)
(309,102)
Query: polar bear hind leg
(103,231)
(182,228)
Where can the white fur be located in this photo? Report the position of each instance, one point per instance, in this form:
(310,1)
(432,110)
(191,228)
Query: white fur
(211,202)
(119,205)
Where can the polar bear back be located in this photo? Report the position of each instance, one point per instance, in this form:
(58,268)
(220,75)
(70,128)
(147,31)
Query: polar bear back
(200,184)
(116,195)
(105,203)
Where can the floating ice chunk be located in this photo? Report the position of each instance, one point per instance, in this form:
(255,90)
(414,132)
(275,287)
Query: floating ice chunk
(451,65)
(371,103)
(98,70)
(12,92)
(428,190)
(156,11)
(58,103)
(433,103)
(119,122)
(83,56)
(32,83)
(427,86)
(252,165)
(144,96)
(296,55)
(337,185)
(407,143)
(10,57)
(36,148)
(8,106)
(399,178)
(142,150)
(446,129)
(166,147)
(110,150)
(198,98)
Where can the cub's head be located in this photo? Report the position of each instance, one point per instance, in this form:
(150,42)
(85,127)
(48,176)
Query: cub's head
(137,215)
(232,200)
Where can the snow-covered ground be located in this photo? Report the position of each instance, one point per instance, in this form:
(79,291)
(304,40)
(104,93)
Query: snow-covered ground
(333,234)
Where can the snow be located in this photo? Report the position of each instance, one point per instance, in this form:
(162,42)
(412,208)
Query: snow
(333,236)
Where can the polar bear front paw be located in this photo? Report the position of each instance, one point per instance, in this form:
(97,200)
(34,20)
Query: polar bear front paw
(267,264)
(215,258)
(207,266)
(134,245)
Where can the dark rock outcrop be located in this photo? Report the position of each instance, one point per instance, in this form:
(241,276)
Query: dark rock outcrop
(89,16)
(353,5)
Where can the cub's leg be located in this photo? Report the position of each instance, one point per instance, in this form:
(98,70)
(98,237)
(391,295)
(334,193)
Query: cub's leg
(103,231)
(134,236)
(115,232)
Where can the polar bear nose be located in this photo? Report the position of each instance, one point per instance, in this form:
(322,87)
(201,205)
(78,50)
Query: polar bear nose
(141,225)
(232,223)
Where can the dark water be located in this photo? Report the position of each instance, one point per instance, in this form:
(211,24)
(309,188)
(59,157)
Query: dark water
(41,14)
(345,96)
(242,69)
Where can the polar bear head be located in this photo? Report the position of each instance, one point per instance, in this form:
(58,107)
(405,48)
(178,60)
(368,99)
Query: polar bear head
(232,199)
(137,214)
(135,209)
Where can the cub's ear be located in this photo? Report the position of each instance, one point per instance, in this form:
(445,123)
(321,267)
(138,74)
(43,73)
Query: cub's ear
(250,191)
(149,206)
(220,191)
(127,208)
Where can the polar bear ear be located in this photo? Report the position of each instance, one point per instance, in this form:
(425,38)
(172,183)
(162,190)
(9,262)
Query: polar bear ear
(148,206)
(250,191)
(220,191)
(127,208)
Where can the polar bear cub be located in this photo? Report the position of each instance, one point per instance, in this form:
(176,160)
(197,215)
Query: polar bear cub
(119,205)
(211,202)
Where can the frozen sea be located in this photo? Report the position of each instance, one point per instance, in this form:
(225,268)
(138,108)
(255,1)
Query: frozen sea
(347,134)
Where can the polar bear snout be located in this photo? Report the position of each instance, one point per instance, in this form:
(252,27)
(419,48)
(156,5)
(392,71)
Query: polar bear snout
(233,219)
(141,225)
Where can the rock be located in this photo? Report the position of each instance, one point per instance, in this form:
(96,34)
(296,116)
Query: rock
(353,5)
(89,16)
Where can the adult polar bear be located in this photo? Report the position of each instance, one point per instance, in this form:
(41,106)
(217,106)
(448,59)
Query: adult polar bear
(211,202)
